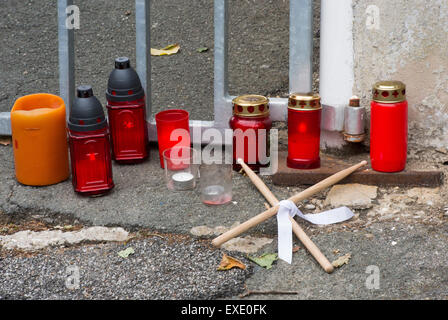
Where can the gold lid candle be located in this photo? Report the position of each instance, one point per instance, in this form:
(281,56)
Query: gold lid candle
(251,125)
(304,116)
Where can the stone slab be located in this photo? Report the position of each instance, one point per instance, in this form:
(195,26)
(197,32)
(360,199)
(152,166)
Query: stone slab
(409,178)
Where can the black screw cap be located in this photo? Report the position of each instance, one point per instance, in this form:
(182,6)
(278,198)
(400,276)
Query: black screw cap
(122,63)
(86,113)
(84,92)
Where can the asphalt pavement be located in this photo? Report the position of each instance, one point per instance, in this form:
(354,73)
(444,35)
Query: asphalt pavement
(258,49)
(411,258)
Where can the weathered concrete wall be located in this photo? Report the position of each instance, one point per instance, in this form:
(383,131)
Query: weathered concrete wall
(409,42)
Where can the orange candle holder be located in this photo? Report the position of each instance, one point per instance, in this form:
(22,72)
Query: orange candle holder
(39,140)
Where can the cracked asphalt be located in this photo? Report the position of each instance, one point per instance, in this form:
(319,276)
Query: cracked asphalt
(411,257)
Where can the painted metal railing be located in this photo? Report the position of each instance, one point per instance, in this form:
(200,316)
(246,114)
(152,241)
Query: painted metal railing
(300,62)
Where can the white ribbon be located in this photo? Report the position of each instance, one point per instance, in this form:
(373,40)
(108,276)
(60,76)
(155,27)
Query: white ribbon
(289,209)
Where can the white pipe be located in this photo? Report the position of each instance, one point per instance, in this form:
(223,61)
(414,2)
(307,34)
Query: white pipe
(336,61)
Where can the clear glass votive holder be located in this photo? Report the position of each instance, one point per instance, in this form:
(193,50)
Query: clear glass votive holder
(180,170)
(215,183)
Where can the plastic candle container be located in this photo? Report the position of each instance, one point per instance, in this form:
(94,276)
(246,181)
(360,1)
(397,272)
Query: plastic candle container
(251,125)
(172,130)
(389,127)
(89,145)
(127,114)
(40,140)
(304,116)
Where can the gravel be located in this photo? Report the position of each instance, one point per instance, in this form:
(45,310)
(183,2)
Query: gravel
(159,269)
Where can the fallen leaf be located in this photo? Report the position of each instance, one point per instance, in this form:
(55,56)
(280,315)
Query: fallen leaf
(337,251)
(229,262)
(204,49)
(342,260)
(68,227)
(295,249)
(126,253)
(5,141)
(167,51)
(266,260)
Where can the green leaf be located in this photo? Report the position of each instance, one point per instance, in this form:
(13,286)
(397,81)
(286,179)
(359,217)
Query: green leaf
(266,260)
(203,49)
(126,253)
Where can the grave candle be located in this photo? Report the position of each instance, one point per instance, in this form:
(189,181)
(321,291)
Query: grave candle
(389,127)
(89,145)
(127,114)
(251,125)
(40,140)
(304,115)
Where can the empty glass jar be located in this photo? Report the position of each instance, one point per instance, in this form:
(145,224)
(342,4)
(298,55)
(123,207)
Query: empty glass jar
(215,183)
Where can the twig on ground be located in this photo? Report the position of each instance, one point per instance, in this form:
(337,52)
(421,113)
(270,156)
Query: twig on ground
(274,292)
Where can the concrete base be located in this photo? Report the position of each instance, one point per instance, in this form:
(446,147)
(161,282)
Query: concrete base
(410,178)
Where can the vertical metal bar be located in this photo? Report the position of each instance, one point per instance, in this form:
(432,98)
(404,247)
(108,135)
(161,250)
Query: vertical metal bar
(66,56)
(301,46)
(143,49)
(222,108)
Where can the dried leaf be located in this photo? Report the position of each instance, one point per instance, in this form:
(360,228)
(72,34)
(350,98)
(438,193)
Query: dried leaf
(126,253)
(342,260)
(337,251)
(204,49)
(167,51)
(266,260)
(295,249)
(229,262)
(5,141)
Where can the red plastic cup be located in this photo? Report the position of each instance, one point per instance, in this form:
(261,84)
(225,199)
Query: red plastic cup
(173,130)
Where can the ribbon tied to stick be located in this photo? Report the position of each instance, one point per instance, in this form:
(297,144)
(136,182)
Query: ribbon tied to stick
(289,209)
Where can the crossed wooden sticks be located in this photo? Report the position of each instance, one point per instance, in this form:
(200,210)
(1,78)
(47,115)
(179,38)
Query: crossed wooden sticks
(312,248)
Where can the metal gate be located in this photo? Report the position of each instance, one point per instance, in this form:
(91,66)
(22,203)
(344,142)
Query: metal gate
(300,62)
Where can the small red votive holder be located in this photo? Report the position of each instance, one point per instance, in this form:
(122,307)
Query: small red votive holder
(173,130)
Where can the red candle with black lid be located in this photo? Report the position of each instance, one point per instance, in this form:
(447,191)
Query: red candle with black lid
(304,116)
(389,127)
(89,145)
(251,125)
(127,114)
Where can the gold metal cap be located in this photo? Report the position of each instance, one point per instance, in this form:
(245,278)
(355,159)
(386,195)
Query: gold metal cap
(304,101)
(251,105)
(389,91)
(354,102)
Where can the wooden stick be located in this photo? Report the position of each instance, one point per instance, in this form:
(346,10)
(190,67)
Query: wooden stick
(272,199)
(298,197)
(249,292)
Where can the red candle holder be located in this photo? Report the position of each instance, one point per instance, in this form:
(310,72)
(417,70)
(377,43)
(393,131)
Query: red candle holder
(304,116)
(173,130)
(251,125)
(127,114)
(89,145)
(389,127)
